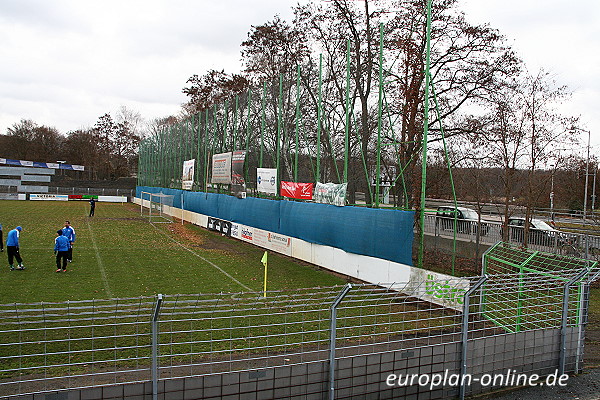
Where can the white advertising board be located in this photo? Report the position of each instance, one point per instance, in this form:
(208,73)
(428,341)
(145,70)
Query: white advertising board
(266,180)
(55,197)
(221,168)
(273,241)
(187,178)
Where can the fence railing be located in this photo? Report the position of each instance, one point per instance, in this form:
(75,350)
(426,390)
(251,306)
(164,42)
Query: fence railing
(81,344)
(574,244)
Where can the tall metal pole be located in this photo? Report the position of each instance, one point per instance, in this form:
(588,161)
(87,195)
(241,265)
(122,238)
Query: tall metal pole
(235,113)
(425,134)
(552,194)
(155,366)
(347,131)
(297,123)
(319,110)
(379,111)
(587,172)
(279,130)
(262,125)
(332,337)
(594,191)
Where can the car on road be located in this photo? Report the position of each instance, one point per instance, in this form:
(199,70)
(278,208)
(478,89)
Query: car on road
(540,232)
(467,220)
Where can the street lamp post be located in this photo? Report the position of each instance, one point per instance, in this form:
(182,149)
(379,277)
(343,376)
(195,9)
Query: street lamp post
(587,172)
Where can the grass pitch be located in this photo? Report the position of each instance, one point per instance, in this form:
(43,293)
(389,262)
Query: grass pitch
(119,254)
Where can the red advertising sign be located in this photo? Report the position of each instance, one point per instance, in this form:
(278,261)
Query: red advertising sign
(296,190)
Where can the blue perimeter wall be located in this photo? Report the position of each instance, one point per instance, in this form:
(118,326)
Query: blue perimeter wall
(380,233)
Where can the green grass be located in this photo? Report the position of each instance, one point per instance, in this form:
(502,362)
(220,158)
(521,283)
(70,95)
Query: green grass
(119,254)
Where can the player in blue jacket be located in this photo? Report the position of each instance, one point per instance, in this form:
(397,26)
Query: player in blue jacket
(61,250)
(69,232)
(12,248)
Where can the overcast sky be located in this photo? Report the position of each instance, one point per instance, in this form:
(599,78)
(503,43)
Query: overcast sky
(65,63)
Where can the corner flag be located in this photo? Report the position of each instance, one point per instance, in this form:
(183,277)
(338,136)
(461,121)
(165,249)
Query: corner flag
(264,259)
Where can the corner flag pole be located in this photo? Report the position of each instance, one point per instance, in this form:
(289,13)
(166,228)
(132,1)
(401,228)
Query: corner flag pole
(264,261)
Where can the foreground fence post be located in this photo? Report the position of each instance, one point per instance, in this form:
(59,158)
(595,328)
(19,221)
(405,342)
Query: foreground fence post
(155,316)
(465,333)
(585,304)
(332,336)
(565,320)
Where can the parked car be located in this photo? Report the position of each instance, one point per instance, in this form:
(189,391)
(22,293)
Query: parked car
(466,220)
(539,232)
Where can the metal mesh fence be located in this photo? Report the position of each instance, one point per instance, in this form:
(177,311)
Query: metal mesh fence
(57,346)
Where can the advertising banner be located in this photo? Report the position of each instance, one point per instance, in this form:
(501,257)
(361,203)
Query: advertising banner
(215,224)
(266,180)
(238,184)
(187,178)
(295,190)
(272,241)
(445,290)
(221,168)
(24,163)
(55,197)
(330,193)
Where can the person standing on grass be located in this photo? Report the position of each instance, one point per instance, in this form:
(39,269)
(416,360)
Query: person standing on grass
(1,240)
(61,251)
(69,232)
(12,248)
(92,206)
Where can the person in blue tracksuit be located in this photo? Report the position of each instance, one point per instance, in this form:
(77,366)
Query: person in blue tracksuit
(12,248)
(61,251)
(69,232)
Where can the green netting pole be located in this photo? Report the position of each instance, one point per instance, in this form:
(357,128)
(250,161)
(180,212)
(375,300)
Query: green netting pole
(225,120)
(188,146)
(262,126)
(170,152)
(199,150)
(297,121)
(175,158)
(347,130)
(140,163)
(235,113)
(279,128)
(180,152)
(166,167)
(379,110)
(206,153)
(173,150)
(319,111)
(249,99)
(161,148)
(425,134)
(215,141)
